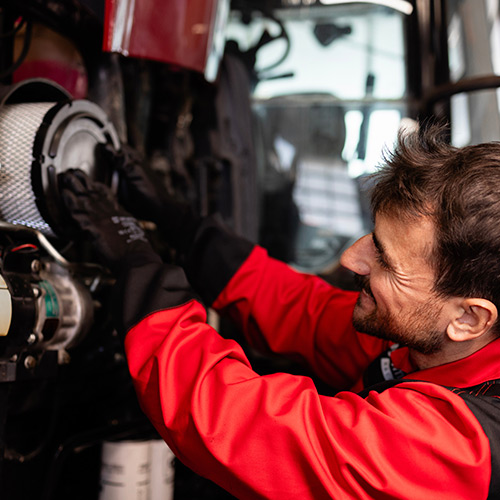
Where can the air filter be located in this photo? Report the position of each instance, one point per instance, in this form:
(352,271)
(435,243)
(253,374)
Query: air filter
(39,140)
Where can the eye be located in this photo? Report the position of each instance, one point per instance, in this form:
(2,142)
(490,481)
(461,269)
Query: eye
(380,254)
(381,260)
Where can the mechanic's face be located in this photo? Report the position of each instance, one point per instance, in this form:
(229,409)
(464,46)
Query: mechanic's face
(397,301)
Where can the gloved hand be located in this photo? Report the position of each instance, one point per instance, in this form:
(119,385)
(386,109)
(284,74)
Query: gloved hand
(144,194)
(114,232)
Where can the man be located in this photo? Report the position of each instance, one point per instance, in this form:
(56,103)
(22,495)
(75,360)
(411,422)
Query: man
(429,282)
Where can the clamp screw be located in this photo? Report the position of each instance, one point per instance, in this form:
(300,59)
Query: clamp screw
(29,362)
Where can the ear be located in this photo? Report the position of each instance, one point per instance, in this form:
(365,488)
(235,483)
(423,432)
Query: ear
(474,318)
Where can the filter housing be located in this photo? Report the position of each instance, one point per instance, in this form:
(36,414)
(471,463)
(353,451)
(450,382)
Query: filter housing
(39,140)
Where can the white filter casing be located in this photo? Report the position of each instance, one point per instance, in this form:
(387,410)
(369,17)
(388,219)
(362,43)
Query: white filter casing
(38,141)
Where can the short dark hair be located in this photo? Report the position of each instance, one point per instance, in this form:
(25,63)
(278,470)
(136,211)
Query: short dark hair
(460,189)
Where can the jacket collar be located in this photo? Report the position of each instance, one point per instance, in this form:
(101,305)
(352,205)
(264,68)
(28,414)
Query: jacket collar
(474,369)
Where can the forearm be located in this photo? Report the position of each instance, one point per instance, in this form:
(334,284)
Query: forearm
(214,257)
(279,309)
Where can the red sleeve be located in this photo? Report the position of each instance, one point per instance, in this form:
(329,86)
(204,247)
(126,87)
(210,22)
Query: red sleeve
(274,437)
(299,315)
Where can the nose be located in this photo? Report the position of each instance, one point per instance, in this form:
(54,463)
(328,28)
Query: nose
(358,257)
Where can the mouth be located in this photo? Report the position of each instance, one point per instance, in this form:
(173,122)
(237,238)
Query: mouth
(366,295)
(365,291)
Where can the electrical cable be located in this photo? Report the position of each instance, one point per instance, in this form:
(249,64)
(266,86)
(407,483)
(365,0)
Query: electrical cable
(22,55)
(14,30)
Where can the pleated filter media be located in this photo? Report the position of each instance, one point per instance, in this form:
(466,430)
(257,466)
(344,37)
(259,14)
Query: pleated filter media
(19,124)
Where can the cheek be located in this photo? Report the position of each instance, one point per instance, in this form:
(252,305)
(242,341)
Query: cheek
(388,293)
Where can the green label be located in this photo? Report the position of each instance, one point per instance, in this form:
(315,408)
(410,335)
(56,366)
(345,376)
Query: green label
(51,303)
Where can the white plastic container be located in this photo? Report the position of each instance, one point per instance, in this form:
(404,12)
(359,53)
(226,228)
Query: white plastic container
(137,470)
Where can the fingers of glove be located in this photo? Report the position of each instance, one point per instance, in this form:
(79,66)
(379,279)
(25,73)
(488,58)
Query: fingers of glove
(83,178)
(130,156)
(108,155)
(103,192)
(127,161)
(112,234)
(80,184)
(140,191)
(90,187)
(70,200)
(78,211)
(128,165)
(123,160)
(72,180)
(131,168)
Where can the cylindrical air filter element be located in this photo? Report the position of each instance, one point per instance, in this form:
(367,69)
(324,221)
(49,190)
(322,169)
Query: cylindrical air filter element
(39,140)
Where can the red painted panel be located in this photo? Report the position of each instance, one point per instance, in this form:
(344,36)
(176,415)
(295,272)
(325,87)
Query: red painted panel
(172,31)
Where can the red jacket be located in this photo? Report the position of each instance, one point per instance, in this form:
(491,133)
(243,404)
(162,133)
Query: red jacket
(274,436)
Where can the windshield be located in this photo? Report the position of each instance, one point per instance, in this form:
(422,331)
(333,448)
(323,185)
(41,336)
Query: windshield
(329,95)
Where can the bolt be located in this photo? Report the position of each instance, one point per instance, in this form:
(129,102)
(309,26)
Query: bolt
(29,362)
(36,266)
(31,339)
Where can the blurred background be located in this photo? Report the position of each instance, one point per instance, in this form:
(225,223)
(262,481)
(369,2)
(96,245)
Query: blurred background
(273,113)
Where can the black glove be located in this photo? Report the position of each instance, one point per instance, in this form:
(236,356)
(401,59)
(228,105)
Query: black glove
(144,194)
(116,235)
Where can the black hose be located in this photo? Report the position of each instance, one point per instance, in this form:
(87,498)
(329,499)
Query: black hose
(23,54)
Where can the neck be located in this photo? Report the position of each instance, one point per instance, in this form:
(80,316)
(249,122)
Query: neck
(426,361)
(450,351)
